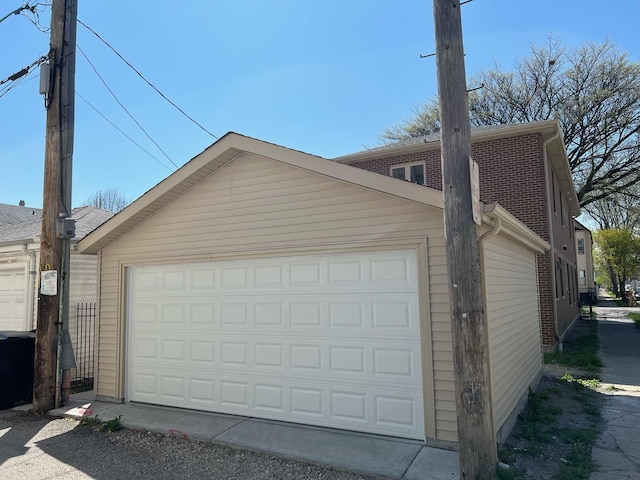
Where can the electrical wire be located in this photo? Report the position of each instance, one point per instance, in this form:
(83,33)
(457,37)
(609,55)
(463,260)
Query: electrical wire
(123,133)
(125,108)
(145,79)
(24,79)
(18,10)
(36,20)
(24,71)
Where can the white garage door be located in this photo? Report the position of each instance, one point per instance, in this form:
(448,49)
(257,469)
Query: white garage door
(13,299)
(330,340)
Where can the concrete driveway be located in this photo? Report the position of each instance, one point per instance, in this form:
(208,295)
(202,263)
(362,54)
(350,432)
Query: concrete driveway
(617,449)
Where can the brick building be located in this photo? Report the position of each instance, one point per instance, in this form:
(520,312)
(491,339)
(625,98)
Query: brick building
(524,167)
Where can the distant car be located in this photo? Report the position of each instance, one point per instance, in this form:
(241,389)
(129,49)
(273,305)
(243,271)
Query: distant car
(636,294)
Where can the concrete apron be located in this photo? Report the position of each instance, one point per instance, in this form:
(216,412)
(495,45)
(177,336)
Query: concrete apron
(374,455)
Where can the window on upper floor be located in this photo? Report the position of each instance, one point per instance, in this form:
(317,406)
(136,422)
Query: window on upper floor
(581,246)
(583,277)
(411,172)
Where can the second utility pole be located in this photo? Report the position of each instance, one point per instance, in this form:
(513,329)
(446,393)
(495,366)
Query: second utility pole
(476,437)
(54,237)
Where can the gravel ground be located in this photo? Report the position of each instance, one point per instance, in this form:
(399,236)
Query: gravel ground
(39,447)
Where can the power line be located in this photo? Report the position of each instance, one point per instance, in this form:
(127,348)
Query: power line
(145,79)
(24,71)
(125,108)
(123,133)
(18,10)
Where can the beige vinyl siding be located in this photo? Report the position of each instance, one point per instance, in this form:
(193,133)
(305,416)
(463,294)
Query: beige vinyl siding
(256,206)
(514,323)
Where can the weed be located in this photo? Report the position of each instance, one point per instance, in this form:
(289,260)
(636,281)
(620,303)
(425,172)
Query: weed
(91,421)
(537,418)
(112,425)
(509,474)
(613,388)
(581,353)
(636,318)
(578,464)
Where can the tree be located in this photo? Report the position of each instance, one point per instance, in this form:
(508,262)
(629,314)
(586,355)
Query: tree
(594,91)
(617,210)
(108,199)
(618,252)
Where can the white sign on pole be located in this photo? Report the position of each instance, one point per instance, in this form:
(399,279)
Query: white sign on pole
(49,282)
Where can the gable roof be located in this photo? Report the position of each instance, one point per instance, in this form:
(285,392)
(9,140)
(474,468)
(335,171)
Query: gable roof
(225,150)
(549,129)
(15,214)
(87,219)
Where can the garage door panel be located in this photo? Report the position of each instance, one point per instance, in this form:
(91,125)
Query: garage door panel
(384,272)
(368,315)
(331,340)
(13,305)
(347,406)
(324,358)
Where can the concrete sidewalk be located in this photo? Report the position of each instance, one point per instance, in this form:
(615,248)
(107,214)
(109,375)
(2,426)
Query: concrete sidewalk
(617,449)
(375,455)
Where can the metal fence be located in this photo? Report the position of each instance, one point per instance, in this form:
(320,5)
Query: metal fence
(83,339)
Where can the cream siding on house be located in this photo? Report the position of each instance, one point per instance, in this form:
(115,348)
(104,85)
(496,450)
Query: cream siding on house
(514,323)
(260,207)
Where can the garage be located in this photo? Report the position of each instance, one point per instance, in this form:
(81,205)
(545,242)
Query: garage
(264,282)
(13,291)
(328,340)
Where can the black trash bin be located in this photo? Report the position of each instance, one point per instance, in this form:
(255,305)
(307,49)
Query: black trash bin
(16,368)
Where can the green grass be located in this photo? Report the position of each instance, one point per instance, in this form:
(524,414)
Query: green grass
(580,353)
(636,318)
(537,418)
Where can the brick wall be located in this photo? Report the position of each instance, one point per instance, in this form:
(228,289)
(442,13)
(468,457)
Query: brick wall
(512,174)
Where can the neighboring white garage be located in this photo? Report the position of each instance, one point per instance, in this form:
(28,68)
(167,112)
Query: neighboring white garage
(262,281)
(13,297)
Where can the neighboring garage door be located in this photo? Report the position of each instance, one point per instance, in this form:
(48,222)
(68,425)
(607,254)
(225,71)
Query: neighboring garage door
(12,299)
(329,340)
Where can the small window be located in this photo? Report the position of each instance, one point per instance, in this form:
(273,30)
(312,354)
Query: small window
(581,246)
(583,278)
(413,173)
(559,280)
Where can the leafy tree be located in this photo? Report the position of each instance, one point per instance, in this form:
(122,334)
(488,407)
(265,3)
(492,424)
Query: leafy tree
(618,252)
(594,91)
(110,199)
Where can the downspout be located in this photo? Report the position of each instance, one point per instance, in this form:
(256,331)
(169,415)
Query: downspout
(552,251)
(31,276)
(497,224)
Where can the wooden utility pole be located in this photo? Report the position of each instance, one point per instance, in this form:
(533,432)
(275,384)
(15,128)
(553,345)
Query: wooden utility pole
(54,241)
(476,436)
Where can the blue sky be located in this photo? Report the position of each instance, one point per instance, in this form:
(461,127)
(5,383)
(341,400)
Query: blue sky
(325,77)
